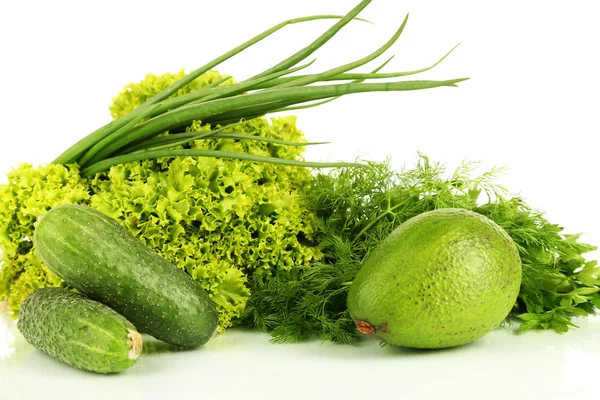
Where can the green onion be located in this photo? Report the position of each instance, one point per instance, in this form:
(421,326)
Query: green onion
(166,142)
(152,154)
(138,135)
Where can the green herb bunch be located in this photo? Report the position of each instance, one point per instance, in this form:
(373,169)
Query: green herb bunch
(136,130)
(357,208)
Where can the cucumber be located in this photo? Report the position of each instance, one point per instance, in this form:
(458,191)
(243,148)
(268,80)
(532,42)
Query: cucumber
(101,259)
(78,331)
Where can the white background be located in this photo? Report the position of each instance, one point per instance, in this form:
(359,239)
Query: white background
(531,105)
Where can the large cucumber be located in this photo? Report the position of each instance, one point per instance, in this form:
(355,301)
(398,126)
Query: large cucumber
(101,259)
(79,331)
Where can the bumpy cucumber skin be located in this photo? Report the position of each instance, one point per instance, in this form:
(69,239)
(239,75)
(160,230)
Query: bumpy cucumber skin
(79,331)
(104,261)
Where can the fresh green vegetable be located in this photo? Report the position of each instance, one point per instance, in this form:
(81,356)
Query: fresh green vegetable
(199,114)
(441,279)
(102,260)
(78,331)
(357,208)
(30,192)
(128,138)
(168,205)
(256,221)
(220,220)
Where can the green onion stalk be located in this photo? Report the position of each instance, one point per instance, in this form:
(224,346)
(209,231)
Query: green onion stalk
(139,134)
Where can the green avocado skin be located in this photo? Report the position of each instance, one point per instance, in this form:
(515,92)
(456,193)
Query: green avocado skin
(441,279)
(103,260)
(76,330)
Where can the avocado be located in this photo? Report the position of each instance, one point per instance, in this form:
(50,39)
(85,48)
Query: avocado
(441,279)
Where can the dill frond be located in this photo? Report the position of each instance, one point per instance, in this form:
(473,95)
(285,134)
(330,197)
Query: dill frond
(356,208)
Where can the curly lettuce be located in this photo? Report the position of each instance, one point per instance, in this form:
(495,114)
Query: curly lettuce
(220,220)
(30,192)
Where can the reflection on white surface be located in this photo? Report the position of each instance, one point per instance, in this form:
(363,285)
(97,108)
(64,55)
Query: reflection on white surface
(243,364)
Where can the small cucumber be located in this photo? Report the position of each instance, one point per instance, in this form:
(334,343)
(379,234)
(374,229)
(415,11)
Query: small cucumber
(102,260)
(79,331)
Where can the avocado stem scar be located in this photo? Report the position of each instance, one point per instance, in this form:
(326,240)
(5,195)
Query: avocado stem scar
(365,327)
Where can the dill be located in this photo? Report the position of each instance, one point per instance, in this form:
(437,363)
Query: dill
(356,208)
